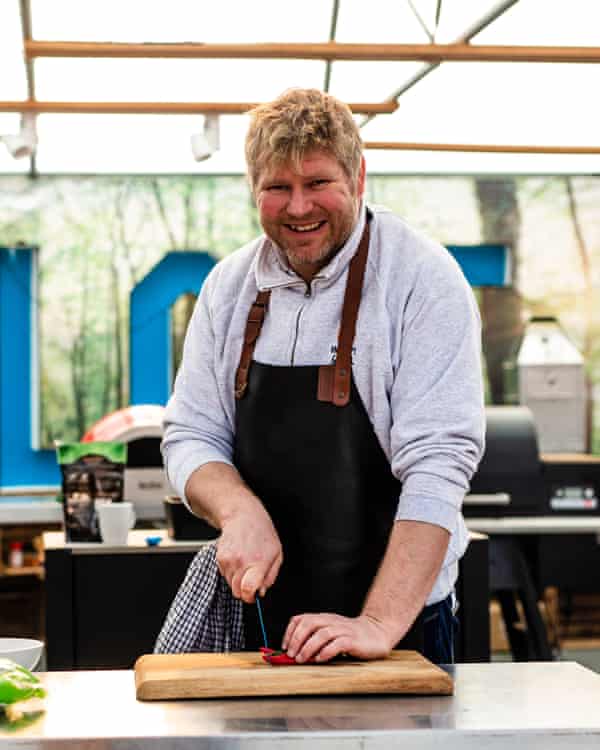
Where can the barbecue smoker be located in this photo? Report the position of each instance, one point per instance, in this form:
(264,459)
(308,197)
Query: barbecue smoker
(513,479)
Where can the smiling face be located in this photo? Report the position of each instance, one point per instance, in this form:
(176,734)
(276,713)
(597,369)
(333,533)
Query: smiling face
(309,210)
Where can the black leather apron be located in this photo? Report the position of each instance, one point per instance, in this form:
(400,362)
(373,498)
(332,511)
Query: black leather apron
(325,481)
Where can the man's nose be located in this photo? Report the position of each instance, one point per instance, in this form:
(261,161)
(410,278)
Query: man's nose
(299,203)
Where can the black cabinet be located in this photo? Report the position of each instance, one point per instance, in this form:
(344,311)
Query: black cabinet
(105,610)
(473,593)
(570,561)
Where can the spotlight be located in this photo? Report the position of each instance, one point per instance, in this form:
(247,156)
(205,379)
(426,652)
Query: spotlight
(24,142)
(205,144)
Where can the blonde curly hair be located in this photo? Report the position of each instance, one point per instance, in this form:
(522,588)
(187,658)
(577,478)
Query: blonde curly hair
(297,122)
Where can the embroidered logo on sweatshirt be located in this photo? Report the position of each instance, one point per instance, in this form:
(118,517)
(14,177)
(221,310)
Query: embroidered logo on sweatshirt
(333,353)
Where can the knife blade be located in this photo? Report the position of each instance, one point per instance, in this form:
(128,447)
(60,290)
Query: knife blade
(262,622)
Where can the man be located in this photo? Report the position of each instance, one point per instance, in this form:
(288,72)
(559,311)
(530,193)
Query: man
(328,413)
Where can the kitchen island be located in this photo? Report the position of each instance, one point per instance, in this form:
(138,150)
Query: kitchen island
(540,706)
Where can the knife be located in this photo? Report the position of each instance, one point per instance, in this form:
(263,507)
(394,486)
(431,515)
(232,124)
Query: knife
(262,622)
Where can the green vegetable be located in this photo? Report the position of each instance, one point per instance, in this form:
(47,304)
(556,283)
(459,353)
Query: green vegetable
(17,683)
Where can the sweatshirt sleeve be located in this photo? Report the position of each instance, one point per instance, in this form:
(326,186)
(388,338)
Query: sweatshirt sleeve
(438,426)
(196,428)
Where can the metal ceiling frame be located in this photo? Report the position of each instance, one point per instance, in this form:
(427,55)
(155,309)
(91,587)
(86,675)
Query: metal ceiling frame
(420,21)
(432,54)
(25,14)
(335,12)
(438,13)
(464,39)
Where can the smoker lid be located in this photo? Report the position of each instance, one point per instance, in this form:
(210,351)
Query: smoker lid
(511,443)
(546,343)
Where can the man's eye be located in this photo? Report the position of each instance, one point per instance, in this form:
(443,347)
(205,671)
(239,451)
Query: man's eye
(319,183)
(276,188)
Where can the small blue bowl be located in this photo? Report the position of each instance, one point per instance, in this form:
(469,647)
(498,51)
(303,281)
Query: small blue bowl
(153,541)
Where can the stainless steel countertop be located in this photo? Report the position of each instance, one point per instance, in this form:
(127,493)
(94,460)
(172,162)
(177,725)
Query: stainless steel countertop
(542,705)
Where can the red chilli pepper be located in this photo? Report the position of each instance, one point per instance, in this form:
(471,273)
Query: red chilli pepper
(279,658)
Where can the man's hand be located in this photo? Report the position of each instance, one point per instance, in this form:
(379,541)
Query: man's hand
(410,566)
(249,553)
(323,636)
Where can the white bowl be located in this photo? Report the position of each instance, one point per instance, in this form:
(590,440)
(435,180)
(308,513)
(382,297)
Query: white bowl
(23,651)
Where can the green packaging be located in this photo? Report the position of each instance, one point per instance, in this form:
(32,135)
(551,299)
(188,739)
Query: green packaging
(90,472)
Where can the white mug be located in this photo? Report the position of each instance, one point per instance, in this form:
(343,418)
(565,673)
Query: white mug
(115,520)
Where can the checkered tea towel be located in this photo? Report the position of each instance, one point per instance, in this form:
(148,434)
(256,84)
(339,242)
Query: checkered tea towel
(204,616)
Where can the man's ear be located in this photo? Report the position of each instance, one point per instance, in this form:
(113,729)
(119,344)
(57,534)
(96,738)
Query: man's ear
(251,187)
(360,183)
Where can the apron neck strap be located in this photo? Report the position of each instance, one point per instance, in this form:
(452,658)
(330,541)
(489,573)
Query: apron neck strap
(253,327)
(335,379)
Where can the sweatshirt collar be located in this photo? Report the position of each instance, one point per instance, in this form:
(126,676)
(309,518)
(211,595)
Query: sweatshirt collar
(273,270)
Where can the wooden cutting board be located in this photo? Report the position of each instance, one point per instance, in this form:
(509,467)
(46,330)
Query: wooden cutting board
(167,676)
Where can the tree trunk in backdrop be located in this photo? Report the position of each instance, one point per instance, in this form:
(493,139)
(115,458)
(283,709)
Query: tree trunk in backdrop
(501,308)
(78,354)
(588,306)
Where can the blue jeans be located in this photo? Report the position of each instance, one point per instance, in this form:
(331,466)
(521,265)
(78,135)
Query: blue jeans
(440,626)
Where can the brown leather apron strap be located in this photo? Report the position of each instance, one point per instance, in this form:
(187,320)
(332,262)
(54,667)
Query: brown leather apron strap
(256,317)
(334,380)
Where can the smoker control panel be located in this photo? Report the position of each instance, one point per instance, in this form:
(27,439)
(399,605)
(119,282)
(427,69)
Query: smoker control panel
(574,497)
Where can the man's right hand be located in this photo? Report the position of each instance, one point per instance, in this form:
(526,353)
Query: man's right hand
(249,553)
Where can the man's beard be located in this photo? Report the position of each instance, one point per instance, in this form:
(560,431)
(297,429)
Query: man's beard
(299,258)
(328,251)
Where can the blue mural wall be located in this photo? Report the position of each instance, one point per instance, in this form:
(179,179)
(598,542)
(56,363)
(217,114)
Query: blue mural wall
(22,464)
(150,340)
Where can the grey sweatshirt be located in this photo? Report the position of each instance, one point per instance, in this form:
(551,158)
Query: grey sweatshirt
(416,363)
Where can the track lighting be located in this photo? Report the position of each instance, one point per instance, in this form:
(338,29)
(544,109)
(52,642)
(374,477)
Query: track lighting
(24,142)
(205,144)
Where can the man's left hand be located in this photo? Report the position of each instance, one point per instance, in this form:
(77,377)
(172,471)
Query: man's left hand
(323,636)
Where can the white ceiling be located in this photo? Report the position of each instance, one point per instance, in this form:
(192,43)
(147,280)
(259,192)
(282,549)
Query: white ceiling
(498,103)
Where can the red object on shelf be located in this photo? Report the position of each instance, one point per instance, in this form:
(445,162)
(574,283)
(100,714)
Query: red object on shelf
(15,555)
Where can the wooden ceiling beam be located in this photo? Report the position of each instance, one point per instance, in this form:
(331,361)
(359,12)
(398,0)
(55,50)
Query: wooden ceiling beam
(165,108)
(330,51)
(479,148)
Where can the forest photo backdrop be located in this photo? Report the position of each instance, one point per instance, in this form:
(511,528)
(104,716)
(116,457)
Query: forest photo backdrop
(99,236)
